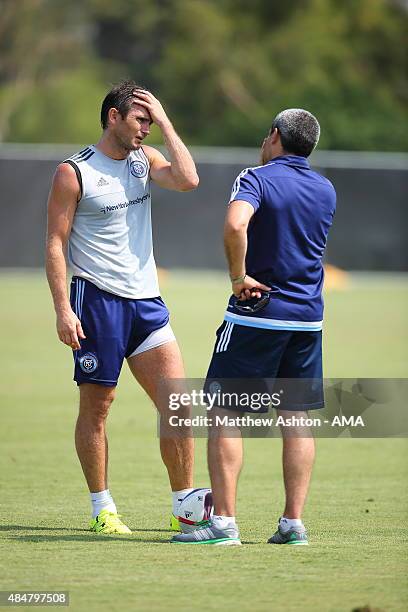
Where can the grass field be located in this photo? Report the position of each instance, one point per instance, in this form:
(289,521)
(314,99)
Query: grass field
(356,513)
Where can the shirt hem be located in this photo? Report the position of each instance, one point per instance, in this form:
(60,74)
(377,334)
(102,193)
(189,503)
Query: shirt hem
(265,323)
(139,296)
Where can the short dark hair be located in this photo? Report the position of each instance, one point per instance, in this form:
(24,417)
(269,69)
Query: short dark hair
(119,97)
(299,131)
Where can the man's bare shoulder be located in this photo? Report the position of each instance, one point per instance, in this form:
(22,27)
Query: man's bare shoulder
(65,179)
(65,172)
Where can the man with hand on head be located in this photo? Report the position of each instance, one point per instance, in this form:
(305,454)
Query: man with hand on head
(99,209)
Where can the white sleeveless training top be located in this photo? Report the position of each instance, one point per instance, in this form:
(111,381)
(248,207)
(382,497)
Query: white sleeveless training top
(111,237)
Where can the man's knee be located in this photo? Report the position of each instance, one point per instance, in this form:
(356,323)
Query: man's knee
(95,401)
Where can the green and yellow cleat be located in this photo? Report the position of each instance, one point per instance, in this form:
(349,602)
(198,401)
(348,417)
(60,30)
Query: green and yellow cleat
(108,522)
(174,523)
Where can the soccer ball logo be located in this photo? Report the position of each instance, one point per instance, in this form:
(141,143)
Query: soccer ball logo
(195,510)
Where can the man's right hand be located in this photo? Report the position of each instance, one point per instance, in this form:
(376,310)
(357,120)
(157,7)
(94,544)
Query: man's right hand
(153,105)
(69,329)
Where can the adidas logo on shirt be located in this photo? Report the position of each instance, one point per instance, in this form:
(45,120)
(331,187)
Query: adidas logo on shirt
(102,182)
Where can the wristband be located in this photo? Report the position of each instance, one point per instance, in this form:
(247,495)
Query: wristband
(238,279)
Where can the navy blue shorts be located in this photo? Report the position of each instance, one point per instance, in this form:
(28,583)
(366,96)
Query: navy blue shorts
(249,353)
(114,327)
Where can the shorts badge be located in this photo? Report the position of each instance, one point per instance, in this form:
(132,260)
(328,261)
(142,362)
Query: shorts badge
(88,363)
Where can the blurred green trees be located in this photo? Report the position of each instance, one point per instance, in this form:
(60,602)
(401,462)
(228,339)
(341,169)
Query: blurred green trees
(223,68)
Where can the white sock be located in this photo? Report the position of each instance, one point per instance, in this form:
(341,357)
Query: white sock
(102,500)
(178,497)
(221,522)
(287,523)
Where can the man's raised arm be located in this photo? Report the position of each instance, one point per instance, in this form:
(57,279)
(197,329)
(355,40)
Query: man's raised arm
(180,173)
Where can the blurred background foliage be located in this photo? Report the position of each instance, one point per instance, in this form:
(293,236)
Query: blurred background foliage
(223,68)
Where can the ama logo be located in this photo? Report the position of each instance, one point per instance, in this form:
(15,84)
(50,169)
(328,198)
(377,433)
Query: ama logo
(138,169)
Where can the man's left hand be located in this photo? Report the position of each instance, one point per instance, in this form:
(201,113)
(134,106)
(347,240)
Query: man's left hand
(248,289)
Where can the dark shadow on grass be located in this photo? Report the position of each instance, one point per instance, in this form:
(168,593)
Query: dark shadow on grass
(37,528)
(92,537)
(84,535)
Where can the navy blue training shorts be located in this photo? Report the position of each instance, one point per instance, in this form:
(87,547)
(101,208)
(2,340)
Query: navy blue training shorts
(114,327)
(243,352)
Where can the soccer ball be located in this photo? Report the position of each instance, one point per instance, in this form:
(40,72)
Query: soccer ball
(195,510)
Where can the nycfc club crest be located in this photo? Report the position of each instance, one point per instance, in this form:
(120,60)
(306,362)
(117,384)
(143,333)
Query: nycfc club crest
(215,387)
(138,169)
(88,363)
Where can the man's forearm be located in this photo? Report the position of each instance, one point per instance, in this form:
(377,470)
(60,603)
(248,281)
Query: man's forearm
(235,242)
(182,164)
(56,269)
